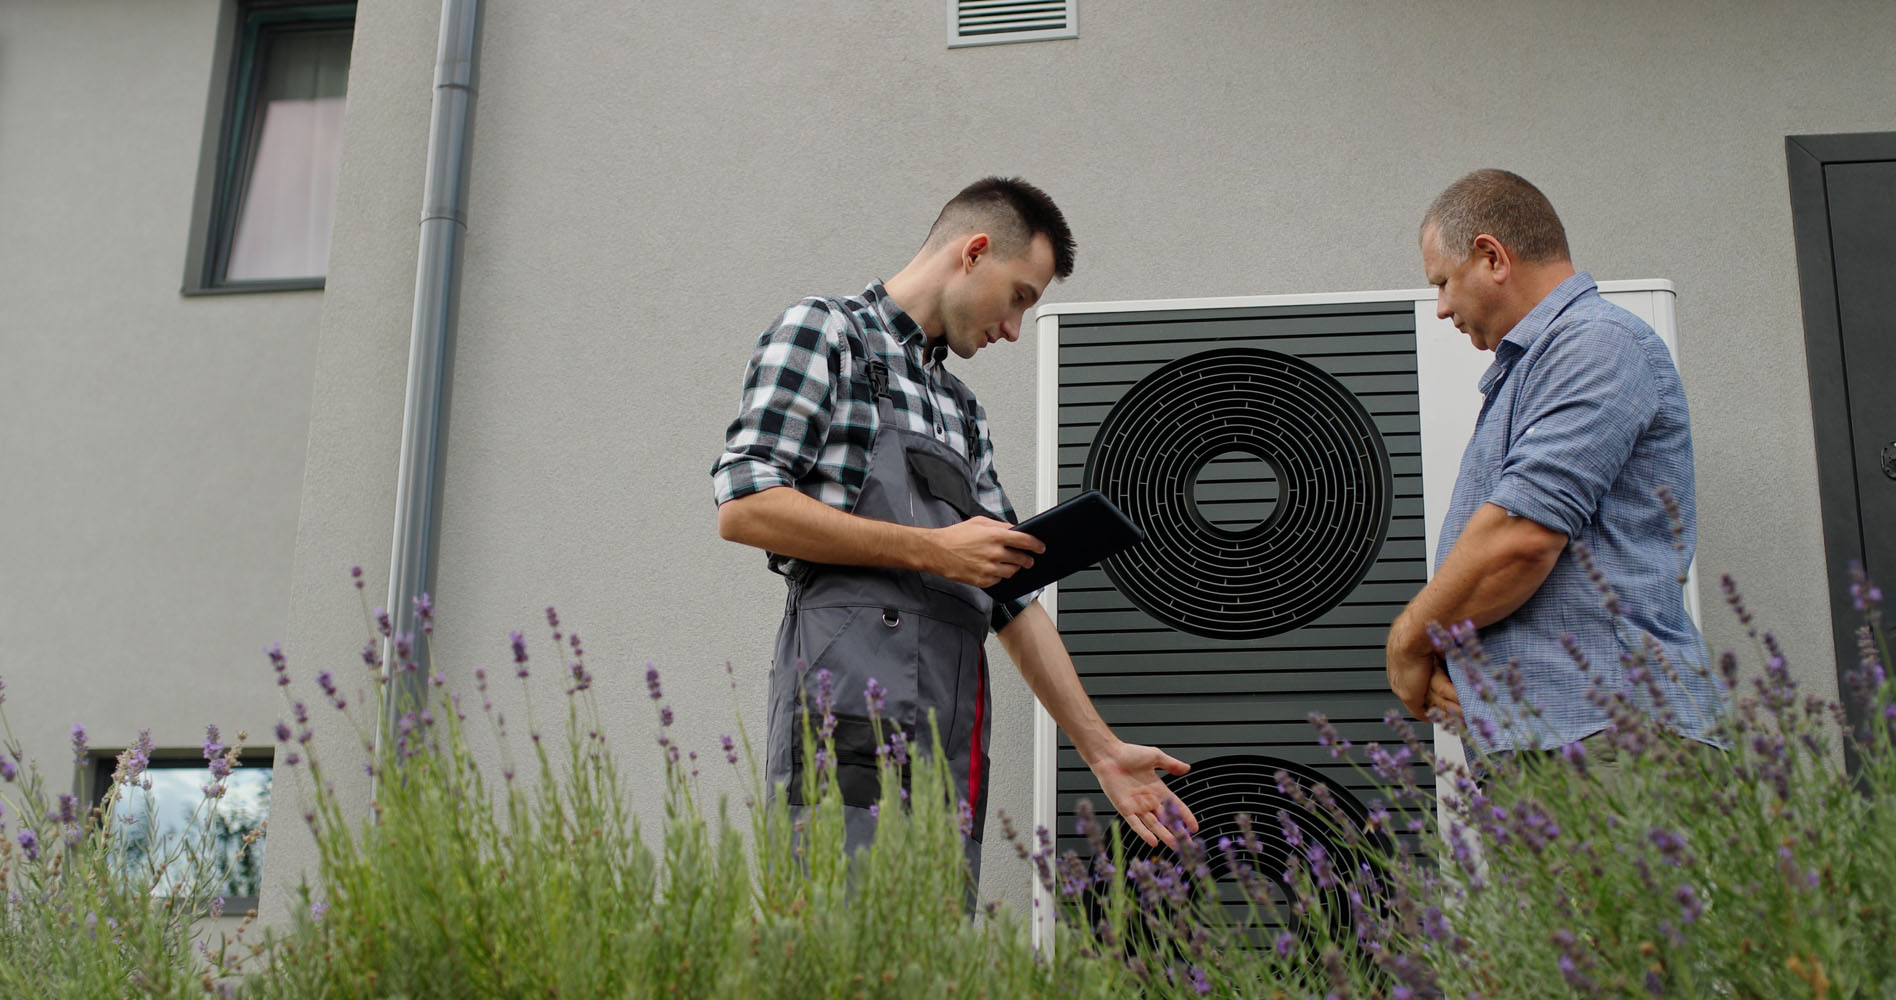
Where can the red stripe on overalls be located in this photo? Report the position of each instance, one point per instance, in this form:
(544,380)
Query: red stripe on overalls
(974,750)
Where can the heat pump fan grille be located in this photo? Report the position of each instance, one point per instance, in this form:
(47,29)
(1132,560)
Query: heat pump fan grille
(1328,500)
(1288,829)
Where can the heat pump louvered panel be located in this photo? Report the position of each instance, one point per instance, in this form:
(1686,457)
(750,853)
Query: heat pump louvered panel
(1188,686)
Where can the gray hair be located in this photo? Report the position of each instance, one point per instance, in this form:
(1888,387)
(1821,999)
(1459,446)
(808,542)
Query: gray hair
(1503,205)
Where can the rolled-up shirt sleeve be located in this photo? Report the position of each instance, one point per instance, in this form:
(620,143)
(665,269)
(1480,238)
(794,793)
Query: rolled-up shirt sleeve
(784,417)
(1579,415)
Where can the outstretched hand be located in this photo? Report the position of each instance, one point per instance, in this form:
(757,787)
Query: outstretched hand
(1128,774)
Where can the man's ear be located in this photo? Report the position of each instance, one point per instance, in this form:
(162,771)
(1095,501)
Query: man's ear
(974,248)
(1494,257)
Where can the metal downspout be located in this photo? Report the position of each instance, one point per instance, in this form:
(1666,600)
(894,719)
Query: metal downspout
(437,300)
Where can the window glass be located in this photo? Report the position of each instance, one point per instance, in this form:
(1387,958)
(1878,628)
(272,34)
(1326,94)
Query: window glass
(286,189)
(174,818)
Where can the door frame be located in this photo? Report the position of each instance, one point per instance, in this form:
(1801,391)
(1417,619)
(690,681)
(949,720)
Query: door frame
(1806,156)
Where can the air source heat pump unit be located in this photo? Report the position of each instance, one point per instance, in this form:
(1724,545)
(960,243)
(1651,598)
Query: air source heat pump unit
(1290,459)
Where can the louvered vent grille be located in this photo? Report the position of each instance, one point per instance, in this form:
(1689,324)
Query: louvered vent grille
(1307,452)
(990,22)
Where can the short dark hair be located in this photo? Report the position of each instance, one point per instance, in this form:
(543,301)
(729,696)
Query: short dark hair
(1012,212)
(1503,205)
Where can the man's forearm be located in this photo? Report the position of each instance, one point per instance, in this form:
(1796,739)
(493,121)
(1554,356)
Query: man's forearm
(1496,565)
(787,522)
(1034,644)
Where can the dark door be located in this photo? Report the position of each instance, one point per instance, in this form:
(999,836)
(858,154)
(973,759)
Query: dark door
(1843,202)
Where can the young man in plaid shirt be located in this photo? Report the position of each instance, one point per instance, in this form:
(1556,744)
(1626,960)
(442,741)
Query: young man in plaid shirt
(863,467)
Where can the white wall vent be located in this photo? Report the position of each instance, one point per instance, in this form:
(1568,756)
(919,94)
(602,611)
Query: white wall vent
(992,22)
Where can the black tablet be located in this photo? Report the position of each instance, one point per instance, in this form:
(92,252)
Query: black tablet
(1078,533)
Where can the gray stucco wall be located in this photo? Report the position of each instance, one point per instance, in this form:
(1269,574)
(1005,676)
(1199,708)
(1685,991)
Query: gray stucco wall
(651,185)
(152,444)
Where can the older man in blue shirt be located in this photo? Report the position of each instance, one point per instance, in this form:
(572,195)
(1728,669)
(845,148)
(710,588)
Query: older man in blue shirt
(1583,431)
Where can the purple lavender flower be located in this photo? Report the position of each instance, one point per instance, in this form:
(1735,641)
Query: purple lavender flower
(355,573)
(66,811)
(1572,974)
(220,767)
(29,842)
(1327,736)
(1863,593)
(1689,904)
(552,618)
(1576,756)
(519,653)
(133,760)
(730,749)
(651,682)
(1284,944)
(79,755)
(873,693)
(665,716)
(213,745)
(317,909)
(1671,846)
(326,681)
(382,622)
(277,663)
(898,748)
(1200,984)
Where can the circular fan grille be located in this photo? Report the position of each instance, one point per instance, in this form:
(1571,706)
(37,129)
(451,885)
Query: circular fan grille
(1328,509)
(1221,789)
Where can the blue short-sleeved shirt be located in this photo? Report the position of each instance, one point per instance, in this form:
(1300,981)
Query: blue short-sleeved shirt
(1584,419)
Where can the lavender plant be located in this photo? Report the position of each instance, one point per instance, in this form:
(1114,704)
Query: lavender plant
(1758,870)
(459,884)
(95,907)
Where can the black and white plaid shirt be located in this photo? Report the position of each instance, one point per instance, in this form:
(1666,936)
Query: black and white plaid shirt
(808,418)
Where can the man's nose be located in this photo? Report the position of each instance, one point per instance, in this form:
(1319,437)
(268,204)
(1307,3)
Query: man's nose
(1010,329)
(1442,311)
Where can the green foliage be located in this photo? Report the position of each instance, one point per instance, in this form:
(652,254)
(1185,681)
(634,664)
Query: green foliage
(460,886)
(1677,870)
(1684,871)
(95,908)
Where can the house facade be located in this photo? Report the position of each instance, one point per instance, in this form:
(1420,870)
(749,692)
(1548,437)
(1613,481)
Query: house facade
(202,434)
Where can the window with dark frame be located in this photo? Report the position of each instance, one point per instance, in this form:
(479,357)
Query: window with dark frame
(269,196)
(173,811)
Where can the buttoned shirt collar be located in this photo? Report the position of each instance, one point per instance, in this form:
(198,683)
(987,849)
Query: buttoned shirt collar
(1530,329)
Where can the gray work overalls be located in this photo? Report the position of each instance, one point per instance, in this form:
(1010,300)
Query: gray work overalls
(919,635)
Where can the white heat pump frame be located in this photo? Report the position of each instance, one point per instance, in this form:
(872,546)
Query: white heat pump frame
(1447,370)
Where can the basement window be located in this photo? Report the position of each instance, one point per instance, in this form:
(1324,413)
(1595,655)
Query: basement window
(170,827)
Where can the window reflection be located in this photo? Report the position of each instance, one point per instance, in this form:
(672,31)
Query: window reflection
(173,820)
